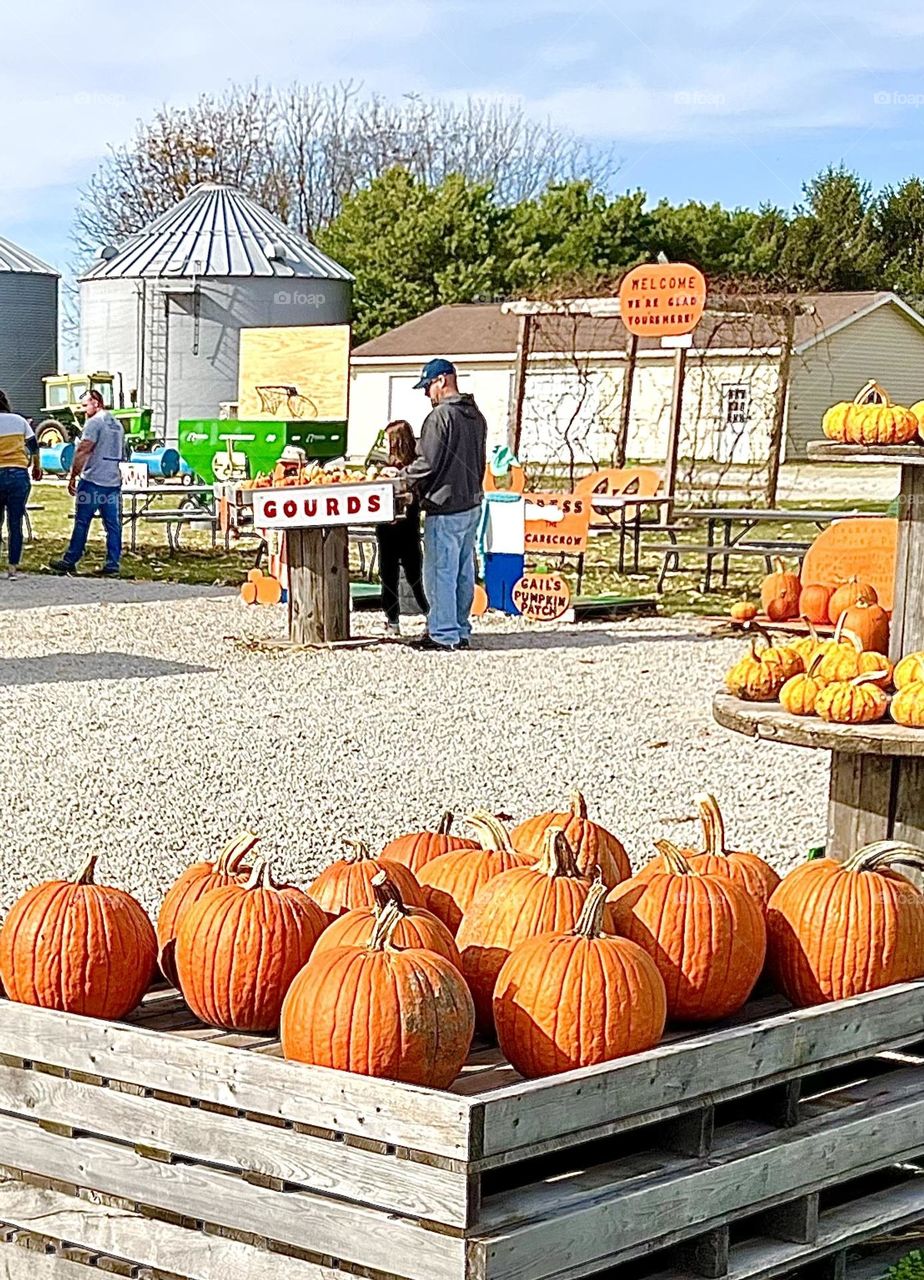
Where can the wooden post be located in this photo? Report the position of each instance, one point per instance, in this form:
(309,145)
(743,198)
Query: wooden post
(319,585)
(625,408)
(779,408)
(673,437)
(515,425)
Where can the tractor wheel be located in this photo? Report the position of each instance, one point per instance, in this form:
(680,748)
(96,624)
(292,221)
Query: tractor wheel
(51,433)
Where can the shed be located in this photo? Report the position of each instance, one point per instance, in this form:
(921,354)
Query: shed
(28,327)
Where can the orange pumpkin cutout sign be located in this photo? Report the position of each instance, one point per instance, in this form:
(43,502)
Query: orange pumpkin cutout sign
(542,597)
(662,301)
(261,588)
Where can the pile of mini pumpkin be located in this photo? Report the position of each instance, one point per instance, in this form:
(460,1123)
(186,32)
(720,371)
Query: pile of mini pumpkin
(783,598)
(540,935)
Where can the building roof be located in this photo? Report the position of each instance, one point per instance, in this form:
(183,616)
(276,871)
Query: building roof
(12,258)
(467,329)
(216,232)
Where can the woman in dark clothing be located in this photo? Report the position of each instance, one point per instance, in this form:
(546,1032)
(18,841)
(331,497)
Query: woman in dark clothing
(399,543)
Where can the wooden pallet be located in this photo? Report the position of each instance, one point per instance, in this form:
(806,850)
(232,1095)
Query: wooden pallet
(747,1151)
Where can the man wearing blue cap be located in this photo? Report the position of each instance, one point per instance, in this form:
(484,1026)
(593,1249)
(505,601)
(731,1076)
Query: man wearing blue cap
(448,475)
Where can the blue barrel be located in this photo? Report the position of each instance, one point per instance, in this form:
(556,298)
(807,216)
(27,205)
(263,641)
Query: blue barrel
(162,463)
(56,459)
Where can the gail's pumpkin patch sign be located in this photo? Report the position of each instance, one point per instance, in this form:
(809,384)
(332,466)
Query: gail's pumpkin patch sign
(662,301)
(542,597)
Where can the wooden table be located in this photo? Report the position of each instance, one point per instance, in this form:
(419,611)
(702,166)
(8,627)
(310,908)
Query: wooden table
(877,771)
(622,504)
(140,500)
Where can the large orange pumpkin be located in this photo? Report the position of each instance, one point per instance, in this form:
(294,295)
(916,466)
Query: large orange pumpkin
(79,947)
(813,602)
(401,1014)
(837,929)
(869,623)
(449,883)
(704,932)
(416,927)
(849,593)
(574,999)
(347,883)
(546,897)
(593,845)
(230,865)
(870,418)
(779,593)
(239,947)
(418,848)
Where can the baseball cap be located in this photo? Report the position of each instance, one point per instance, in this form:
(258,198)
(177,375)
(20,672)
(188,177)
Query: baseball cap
(432,370)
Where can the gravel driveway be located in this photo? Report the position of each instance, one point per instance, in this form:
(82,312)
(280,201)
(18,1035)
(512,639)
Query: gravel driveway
(139,725)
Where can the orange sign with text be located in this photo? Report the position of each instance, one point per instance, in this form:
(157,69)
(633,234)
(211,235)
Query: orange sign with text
(542,597)
(662,301)
(856,547)
(556,522)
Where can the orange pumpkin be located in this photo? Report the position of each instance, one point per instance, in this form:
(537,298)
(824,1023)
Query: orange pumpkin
(755,678)
(869,623)
(837,929)
(871,418)
(704,932)
(743,611)
(779,594)
(908,705)
(418,848)
(397,1013)
(847,595)
(347,883)
(450,883)
(546,897)
(230,866)
(577,998)
(857,701)
(909,670)
(239,947)
(593,845)
(79,947)
(417,927)
(813,602)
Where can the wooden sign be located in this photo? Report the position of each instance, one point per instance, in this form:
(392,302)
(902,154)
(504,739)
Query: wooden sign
(294,373)
(542,597)
(855,546)
(556,522)
(321,505)
(662,301)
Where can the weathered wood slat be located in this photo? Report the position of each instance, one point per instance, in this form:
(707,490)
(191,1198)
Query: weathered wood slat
(538,1115)
(331,1168)
(402,1115)
(767,720)
(17,1263)
(123,1234)
(588,1222)
(859,802)
(365,1237)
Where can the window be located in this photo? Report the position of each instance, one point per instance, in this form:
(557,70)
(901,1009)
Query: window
(736,404)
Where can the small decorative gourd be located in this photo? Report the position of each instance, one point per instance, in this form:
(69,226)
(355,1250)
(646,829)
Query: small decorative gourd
(844,658)
(755,678)
(908,705)
(798,694)
(857,701)
(743,611)
(807,646)
(909,670)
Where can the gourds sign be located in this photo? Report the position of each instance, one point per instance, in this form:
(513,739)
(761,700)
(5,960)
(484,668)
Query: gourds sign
(542,597)
(662,301)
(316,506)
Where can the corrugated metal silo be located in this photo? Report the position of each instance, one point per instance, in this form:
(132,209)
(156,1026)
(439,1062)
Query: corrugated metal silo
(28,327)
(166,309)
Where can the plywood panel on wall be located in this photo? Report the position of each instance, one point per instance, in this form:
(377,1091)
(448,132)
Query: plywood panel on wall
(294,373)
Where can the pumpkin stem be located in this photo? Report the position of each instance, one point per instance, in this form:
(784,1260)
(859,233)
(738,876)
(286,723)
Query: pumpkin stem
(869,677)
(358,851)
(558,856)
(883,853)
(87,872)
(590,921)
(491,833)
(779,564)
(578,804)
(445,824)
(674,860)
(840,631)
(235,851)
(261,876)
(710,815)
(815,664)
(813,634)
(385,892)
(383,928)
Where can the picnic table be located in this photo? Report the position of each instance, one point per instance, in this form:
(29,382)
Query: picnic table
(735,525)
(624,513)
(137,504)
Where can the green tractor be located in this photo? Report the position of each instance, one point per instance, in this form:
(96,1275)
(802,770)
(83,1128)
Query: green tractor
(64,416)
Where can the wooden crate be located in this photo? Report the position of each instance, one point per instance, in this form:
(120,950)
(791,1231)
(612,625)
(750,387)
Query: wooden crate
(780,1139)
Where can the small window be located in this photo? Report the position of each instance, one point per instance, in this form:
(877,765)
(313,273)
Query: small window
(736,403)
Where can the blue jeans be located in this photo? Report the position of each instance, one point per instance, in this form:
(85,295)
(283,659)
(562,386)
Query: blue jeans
(14,494)
(449,574)
(108,502)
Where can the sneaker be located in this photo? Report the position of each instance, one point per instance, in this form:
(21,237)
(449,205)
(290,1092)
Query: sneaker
(12,572)
(392,628)
(62,567)
(465,644)
(428,644)
(109,571)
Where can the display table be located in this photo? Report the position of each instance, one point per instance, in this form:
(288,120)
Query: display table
(877,771)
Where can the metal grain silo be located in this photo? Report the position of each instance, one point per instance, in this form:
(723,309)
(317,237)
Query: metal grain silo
(165,310)
(28,327)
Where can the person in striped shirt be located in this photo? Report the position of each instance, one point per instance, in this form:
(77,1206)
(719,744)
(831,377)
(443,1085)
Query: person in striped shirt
(18,452)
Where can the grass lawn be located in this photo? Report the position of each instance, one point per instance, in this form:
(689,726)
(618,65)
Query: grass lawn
(199,562)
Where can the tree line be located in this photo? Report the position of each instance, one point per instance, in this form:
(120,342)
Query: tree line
(430,202)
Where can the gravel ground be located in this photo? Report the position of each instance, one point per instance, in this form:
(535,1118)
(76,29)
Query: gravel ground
(137,724)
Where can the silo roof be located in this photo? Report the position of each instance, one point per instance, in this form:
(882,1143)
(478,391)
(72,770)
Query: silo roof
(216,232)
(12,258)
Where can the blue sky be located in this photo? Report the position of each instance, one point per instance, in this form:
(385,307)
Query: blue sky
(738,102)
